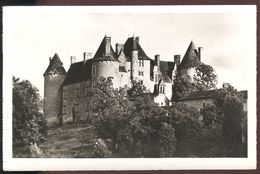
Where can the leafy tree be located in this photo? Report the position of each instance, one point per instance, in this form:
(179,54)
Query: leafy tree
(230,104)
(233,115)
(182,87)
(29,125)
(142,135)
(185,120)
(167,140)
(205,77)
(111,108)
(211,115)
(136,89)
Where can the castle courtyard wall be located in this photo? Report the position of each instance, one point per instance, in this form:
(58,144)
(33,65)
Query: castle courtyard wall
(77,96)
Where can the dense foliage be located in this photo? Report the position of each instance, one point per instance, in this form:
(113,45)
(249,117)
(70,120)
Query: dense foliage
(29,125)
(204,78)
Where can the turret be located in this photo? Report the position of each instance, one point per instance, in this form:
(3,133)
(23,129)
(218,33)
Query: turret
(53,79)
(105,63)
(177,59)
(157,60)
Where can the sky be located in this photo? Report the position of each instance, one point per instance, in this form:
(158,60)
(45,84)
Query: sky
(227,33)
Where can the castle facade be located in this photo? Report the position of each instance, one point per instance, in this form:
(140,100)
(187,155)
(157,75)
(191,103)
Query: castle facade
(67,93)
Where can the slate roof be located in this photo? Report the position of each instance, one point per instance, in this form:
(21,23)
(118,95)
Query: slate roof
(100,54)
(165,70)
(55,66)
(132,44)
(78,72)
(190,58)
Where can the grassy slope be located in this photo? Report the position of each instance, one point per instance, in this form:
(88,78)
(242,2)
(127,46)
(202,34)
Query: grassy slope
(71,140)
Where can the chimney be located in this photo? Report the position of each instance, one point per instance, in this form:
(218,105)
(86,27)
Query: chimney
(200,50)
(72,59)
(50,59)
(107,45)
(119,47)
(177,59)
(137,39)
(157,59)
(86,56)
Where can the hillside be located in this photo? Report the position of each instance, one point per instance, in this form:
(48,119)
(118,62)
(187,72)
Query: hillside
(69,141)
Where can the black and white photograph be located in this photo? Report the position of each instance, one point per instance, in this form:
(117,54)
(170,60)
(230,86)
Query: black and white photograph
(129,87)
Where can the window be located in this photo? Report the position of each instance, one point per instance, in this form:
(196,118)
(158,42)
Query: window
(64,109)
(141,82)
(140,73)
(161,90)
(141,63)
(94,71)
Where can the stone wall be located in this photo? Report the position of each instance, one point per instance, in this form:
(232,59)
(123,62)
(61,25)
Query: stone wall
(77,97)
(107,69)
(52,98)
(197,103)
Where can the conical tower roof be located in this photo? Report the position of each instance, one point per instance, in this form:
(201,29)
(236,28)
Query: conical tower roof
(191,57)
(55,66)
(105,51)
(132,44)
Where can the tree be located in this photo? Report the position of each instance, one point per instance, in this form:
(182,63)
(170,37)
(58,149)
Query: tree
(140,138)
(136,89)
(205,77)
(183,87)
(230,103)
(185,120)
(29,125)
(111,108)
(167,140)
(211,115)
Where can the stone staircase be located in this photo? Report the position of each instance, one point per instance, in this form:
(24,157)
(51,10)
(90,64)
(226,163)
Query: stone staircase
(70,141)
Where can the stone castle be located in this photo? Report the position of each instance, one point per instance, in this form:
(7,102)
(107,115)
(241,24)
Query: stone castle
(68,93)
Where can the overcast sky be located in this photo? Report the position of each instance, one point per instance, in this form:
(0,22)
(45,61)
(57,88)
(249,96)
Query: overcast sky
(228,35)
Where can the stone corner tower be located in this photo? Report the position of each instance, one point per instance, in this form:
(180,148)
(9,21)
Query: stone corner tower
(53,79)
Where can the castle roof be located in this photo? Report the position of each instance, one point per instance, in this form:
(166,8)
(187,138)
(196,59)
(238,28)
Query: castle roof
(165,70)
(55,66)
(132,44)
(105,51)
(191,57)
(78,72)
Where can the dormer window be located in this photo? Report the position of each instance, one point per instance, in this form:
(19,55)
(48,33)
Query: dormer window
(141,63)
(162,89)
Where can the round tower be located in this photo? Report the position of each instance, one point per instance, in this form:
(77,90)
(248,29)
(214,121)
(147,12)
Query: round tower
(53,79)
(189,62)
(105,64)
